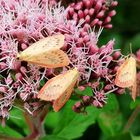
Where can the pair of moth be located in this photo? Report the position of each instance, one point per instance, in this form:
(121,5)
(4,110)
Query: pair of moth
(47,53)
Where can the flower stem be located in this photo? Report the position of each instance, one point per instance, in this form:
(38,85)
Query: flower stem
(28,121)
(36,127)
(35,124)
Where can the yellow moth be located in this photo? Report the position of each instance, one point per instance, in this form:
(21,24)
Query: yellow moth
(46,52)
(126,75)
(59,88)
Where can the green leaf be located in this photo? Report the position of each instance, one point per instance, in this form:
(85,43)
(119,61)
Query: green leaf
(135,137)
(124,103)
(42,82)
(88,91)
(72,125)
(126,136)
(101,85)
(1,77)
(112,105)
(13,75)
(135,103)
(110,119)
(110,124)
(8,131)
(52,137)
(17,119)
(52,120)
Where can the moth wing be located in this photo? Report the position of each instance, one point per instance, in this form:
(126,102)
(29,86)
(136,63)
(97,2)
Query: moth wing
(60,102)
(46,52)
(134,91)
(56,86)
(45,44)
(50,59)
(126,74)
(51,90)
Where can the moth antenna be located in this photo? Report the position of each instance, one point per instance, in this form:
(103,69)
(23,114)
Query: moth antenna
(131,48)
(131,53)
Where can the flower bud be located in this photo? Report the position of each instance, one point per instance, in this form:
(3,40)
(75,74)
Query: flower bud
(18,76)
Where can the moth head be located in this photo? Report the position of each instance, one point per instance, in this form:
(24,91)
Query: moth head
(18,56)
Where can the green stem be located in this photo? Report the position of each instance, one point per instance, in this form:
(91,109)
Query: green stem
(35,125)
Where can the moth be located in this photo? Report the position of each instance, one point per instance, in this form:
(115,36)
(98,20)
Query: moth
(59,88)
(126,75)
(46,52)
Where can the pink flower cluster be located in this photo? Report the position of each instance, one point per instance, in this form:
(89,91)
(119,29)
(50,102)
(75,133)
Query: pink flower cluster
(94,12)
(23,22)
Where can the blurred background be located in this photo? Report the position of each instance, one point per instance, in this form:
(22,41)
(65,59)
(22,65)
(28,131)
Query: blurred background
(126,25)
